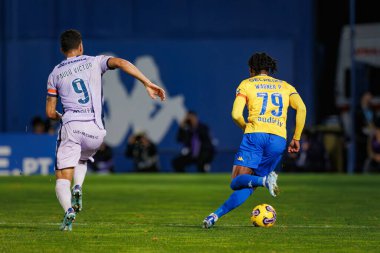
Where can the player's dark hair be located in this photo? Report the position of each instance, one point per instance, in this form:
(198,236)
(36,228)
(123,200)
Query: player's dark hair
(70,39)
(262,61)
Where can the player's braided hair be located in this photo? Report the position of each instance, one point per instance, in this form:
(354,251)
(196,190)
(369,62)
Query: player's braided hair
(262,61)
(70,39)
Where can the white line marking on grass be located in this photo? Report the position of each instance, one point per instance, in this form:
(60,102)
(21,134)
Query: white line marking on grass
(280,226)
(126,224)
(36,224)
(327,226)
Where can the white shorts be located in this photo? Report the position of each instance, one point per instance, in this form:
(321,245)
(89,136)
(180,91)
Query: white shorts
(77,141)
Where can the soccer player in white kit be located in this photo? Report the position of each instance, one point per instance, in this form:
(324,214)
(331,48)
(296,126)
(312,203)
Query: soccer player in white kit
(77,81)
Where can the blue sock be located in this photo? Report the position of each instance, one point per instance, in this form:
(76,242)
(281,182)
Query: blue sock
(245,181)
(236,199)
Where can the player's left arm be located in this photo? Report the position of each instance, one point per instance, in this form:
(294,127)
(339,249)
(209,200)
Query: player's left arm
(51,105)
(152,89)
(297,104)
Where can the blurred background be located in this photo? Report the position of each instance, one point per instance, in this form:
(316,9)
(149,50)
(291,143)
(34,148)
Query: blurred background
(198,51)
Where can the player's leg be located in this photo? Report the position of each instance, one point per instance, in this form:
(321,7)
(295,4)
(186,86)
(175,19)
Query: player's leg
(249,155)
(63,192)
(267,180)
(243,179)
(237,198)
(62,187)
(76,192)
(90,143)
(271,158)
(80,173)
(67,157)
(267,150)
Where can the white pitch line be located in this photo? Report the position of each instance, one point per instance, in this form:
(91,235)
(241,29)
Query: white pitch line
(185,225)
(36,223)
(282,226)
(327,226)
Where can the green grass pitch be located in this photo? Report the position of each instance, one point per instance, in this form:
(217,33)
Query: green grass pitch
(164,212)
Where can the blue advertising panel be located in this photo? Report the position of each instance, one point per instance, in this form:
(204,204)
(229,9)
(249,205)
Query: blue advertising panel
(27,154)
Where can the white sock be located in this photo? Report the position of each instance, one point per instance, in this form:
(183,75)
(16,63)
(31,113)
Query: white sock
(79,173)
(62,189)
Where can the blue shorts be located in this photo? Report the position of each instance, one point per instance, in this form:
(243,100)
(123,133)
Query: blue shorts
(261,152)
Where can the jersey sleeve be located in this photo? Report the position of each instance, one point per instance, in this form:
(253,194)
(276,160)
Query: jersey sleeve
(241,91)
(292,90)
(103,63)
(239,104)
(237,112)
(293,97)
(51,88)
(297,104)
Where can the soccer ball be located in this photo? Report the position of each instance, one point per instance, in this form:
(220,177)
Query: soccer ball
(263,215)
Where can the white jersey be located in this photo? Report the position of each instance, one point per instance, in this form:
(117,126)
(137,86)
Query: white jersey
(78,82)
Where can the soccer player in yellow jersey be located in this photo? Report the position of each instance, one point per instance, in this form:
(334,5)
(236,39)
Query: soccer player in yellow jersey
(264,140)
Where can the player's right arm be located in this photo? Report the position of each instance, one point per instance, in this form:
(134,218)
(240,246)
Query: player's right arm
(237,112)
(51,100)
(297,104)
(51,105)
(152,89)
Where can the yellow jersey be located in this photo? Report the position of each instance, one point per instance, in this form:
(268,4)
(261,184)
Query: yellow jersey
(267,100)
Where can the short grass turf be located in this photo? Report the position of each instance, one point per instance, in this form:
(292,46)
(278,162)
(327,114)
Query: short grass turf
(164,212)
